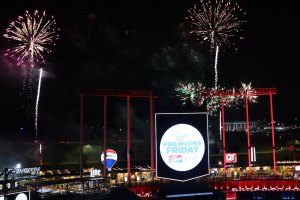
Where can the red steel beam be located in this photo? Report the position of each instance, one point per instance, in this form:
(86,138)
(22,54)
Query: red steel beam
(152,137)
(128,139)
(223,137)
(246,93)
(248,136)
(105,135)
(252,92)
(81,135)
(273,138)
(118,93)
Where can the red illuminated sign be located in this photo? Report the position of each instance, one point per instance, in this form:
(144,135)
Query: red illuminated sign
(231,158)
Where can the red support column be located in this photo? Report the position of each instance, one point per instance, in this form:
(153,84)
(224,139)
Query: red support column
(248,135)
(81,134)
(223,137)
(152,137)
(273,138)
(128,139)
(116,93)
(105,135)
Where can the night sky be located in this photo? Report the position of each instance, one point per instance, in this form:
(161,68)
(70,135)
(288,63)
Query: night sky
(139,45)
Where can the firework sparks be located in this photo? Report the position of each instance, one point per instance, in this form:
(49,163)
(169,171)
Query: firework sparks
(216,22)
(31,37)
(37,102)
(197,94)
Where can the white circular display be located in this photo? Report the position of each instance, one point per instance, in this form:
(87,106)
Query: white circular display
(21,196)
(182,147)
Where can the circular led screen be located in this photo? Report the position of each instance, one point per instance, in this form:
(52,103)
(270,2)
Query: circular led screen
(182,147)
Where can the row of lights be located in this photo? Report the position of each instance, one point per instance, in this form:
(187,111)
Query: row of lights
(262,189)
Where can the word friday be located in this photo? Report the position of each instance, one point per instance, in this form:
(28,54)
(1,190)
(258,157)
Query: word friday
(182,147)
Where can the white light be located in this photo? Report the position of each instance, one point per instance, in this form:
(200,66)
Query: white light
(253,154)
(95,172)
(18,165)
(21,196)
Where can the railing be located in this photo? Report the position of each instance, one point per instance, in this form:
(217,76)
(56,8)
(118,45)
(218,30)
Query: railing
(253,183)
(248,177)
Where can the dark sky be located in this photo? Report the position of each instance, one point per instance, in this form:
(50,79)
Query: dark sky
(121,44)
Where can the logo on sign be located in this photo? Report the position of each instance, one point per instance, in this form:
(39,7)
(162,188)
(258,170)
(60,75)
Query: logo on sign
(175,159)
(231,158)
(182,147)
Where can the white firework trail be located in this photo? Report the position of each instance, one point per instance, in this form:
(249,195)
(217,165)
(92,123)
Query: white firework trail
(216,66)
(31,36)
(218,23)
(37,104)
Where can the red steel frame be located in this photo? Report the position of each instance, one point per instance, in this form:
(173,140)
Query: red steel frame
(148,94)
(250,92)
(118,93)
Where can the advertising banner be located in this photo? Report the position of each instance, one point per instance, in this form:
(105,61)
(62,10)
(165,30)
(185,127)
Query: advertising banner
(24,195)
(181,145)
(231,158)
(23,173)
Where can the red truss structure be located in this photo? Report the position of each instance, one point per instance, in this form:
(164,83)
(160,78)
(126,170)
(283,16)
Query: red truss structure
(149,94)
(118,93)
(246,93)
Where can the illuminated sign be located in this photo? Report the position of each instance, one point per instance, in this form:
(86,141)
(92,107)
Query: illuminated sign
(95,172)
(23,173)
(24,195)
(231,158)
(253,154)
(182,145)
(21,196)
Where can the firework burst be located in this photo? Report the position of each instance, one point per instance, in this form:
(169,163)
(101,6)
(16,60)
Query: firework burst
(198,94)
(31,37)
(216,22)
